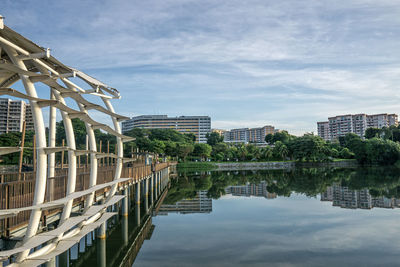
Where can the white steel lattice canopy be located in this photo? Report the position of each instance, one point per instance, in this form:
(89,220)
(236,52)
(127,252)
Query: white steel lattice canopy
(23,60)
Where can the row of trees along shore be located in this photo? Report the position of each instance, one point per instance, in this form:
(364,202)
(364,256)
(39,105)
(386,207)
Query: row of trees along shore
(380,146)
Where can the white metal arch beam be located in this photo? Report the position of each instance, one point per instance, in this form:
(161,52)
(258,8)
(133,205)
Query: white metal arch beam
(40,184)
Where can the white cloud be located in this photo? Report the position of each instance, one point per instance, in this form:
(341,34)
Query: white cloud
(244,63)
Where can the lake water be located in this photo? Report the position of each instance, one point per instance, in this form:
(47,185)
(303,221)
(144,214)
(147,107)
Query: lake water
(301,217)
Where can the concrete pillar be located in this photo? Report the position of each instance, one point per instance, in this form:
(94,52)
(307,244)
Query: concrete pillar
(152,189)
(155,186)
(146,187)
(125,203)
(159,183)
(101,232)
(146,194)
(101,253)
(137,213)
(137,193)
(124,228)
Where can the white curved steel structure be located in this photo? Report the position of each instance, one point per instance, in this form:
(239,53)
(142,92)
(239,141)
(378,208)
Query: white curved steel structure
(23,60)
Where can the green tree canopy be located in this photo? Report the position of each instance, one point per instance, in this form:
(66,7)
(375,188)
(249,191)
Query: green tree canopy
(202,150)
(214,138)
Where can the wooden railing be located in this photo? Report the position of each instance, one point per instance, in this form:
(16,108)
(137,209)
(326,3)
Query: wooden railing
(17,192)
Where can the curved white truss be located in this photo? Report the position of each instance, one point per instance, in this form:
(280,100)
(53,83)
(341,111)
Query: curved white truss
(21,59)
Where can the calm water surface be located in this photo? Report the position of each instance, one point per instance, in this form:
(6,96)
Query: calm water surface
(271,230)
(301,217)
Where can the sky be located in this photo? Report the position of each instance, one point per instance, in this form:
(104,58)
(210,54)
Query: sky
(246,63)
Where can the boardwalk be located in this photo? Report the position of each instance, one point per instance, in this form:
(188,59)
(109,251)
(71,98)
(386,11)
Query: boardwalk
(19,194)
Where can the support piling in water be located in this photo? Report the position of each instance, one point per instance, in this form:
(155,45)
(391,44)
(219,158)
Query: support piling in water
(102,229)
(125,203)
(101,253)
(137,193)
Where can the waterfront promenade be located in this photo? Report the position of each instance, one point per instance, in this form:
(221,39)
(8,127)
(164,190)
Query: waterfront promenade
(17,191)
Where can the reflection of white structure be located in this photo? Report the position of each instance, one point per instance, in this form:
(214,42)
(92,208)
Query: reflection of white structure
(344,197)
(258,190)
(23,61)
(199,204)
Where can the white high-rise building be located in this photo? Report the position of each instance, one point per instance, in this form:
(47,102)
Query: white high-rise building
(323,129)
(200,126)
(12,115)
(358,123)
(246,135)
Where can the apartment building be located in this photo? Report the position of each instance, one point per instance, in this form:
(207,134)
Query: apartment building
(12,115)
(237,136)
(246,135)
(323,129)
(200,126)
(358,123)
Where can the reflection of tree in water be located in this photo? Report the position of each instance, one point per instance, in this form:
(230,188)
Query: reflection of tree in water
(381,181)
(186,186)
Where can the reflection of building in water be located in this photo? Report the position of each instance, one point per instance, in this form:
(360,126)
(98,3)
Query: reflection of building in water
(199,204)
(258,190)
(342,196)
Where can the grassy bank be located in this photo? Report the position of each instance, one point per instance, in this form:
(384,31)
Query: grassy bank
(201,166)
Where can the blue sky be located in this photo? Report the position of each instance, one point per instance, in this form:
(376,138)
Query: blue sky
(244,63)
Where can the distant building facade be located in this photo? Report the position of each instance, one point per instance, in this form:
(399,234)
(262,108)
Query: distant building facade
(342,196)
(199,204)
(323,130)
(200,126)
(221,132)
(13,113)
(247,190)
(248,135)
(358,123)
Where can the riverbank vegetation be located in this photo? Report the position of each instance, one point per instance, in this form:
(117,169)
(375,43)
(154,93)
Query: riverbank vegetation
(380,146)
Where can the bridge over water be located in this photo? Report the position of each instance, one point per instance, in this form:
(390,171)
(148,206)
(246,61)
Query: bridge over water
(52,209)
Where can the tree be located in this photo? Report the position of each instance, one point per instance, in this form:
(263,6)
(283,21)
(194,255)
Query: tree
(144,144)
(382,152)
(202,150)
(190,138)
(282,136)
(309,148)
(232,153)
(280,150)
(214,138)
(170,148)
(183,150)
(218,149)
(79,132)
(242,152)
(266,153)
(372,132)
(14,139)
(253,152)
(269,138)
(157,146)
(345,153)
(219,156)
